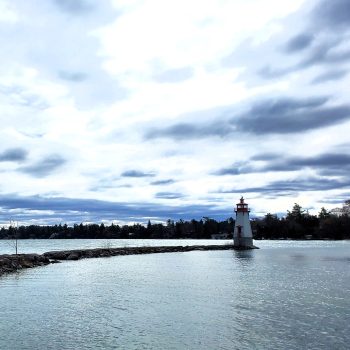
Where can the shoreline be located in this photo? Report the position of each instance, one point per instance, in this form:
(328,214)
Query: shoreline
(12,263)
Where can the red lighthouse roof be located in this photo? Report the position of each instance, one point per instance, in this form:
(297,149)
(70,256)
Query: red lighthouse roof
(241,206)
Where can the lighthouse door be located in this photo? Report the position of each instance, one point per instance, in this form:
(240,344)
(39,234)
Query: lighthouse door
(239,231)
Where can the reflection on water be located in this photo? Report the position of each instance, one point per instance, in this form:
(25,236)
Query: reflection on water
(283,296)
(244,254)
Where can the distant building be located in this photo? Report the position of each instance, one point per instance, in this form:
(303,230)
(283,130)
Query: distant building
(220,235)
(337,212)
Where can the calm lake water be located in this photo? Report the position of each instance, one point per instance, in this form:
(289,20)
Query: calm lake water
(44,245)
(287,295)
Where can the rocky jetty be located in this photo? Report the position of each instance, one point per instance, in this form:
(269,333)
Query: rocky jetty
(105,252)
(12,263)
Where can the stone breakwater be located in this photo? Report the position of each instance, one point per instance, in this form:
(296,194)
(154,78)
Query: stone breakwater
(12,263)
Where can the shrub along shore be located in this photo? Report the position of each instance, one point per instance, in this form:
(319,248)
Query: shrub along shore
(13,263)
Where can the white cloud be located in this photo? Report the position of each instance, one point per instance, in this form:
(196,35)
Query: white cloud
(88,82)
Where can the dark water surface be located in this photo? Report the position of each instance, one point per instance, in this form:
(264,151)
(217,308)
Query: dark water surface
(287,295)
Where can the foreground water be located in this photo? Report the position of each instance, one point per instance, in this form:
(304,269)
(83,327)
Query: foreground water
(287,295)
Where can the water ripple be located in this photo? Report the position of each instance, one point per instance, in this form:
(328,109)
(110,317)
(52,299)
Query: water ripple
(283,296)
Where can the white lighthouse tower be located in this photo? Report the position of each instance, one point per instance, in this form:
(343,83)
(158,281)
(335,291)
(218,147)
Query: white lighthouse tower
(242,235)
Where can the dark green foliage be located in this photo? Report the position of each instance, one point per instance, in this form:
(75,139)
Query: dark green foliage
(323,214)
(298,224)
(171,230)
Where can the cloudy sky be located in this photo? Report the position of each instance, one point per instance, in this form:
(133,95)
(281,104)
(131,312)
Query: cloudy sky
(127,110)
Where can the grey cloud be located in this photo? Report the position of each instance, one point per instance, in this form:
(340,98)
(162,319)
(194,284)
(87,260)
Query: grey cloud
(32,135)
(234,169)
(328,28)
(77,210)
(174,75)
(185,131)
(342,171)
(107,183)
(269,116)
(163,182)
(169,195)
(75,7)
(330,76)
(337,199)
(325,53)
(267,72)
(136,173)
(327,159)
(289,187)
(285,116)
(13,155)
(73,76)
(106,186)
(177,129)
(317,55)
(265,156)
(333,15)
(181,131)
(283,105)
(299,42)
(44,167)
(330,164)
(251,168)
(339,172)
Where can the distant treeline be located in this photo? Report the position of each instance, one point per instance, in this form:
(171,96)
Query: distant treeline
(170,230)
(298,224)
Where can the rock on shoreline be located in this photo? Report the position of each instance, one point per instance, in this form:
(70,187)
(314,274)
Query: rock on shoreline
(105,252)
(12,263)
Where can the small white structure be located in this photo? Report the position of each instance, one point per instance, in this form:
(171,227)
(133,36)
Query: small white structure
(242,235)
(220,235)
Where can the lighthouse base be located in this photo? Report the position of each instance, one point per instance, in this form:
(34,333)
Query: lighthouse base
(243,242)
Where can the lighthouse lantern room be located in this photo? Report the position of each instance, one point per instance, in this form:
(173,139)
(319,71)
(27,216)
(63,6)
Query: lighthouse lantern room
(242,236)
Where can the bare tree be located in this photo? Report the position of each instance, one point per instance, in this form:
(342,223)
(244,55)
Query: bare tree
(13,235)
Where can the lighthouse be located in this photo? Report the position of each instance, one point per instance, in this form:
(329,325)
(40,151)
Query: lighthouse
(242,235)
